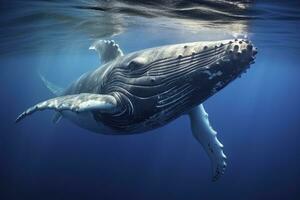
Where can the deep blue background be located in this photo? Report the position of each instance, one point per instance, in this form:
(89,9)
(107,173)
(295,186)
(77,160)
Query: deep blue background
(257,118)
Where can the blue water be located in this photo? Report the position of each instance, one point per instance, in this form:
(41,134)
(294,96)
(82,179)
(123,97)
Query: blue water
(257,117)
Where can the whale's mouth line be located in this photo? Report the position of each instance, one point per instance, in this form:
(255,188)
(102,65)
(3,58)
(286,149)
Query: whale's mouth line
(193,55)
(170,74)
(171,60)
(217,53)
(163,65)
(201,60)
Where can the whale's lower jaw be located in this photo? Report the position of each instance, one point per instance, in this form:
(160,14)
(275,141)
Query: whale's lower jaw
(155,93)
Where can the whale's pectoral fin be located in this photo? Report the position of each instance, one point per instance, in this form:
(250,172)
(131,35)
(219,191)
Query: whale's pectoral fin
(76,103)
(205,134)
(108,50)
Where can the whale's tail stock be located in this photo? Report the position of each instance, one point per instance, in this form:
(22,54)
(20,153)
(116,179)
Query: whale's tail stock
(57,91)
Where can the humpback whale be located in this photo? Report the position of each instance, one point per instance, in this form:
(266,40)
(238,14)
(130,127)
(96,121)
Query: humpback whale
(147,89)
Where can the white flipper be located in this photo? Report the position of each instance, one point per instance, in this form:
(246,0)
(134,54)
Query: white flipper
(76,103)
(108,50)
(205,134)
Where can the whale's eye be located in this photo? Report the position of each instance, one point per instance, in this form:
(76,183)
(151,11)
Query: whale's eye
(136,63)
(132,64)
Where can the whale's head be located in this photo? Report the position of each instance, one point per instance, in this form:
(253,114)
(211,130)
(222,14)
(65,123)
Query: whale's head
(230,59)
(167,81)
(207,66)
(186,74)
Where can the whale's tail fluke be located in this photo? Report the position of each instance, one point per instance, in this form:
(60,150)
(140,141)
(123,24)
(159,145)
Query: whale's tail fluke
(56,90)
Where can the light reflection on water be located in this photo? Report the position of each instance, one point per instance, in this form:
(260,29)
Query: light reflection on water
(29,26)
